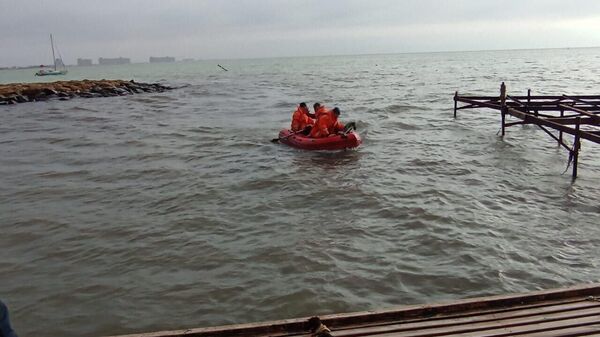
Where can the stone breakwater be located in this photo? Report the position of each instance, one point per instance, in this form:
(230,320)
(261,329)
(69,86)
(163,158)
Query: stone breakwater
(64,90)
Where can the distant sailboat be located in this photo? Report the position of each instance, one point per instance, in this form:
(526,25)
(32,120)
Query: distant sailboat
(46,72)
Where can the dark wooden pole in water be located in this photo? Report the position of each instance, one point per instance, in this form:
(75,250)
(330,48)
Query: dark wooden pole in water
(528,100)
(503,114)
(455,102)
(576,147)
(560,133)
(503,104)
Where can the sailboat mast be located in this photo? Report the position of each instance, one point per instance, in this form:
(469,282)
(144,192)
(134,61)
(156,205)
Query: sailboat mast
(53,57)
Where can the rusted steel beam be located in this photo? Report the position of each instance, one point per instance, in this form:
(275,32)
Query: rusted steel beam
(517,100)
(470,106)
(547,115)
(515,123)
(479,103)
(487,98)
(595,104)
(594,117)
(571,120)
(487,104)
(534,97)
(557,108)
(559,140)
(537,120)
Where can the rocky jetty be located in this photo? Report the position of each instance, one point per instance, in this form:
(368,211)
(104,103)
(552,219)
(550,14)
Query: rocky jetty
(64,90)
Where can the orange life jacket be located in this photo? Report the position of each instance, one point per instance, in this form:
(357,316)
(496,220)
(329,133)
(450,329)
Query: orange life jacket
(300,119)
(320,111)
(327,124)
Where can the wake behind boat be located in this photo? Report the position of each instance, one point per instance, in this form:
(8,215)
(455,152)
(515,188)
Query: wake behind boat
(55,71)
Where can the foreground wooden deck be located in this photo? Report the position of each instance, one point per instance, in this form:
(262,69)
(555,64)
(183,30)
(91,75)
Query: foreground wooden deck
(573,311)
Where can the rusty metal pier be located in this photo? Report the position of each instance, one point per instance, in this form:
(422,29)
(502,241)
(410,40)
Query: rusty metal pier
(555,115)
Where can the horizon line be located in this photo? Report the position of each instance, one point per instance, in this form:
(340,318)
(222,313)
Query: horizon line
(328,55)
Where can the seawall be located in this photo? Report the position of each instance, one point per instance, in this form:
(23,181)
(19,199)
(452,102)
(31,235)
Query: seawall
(64,90)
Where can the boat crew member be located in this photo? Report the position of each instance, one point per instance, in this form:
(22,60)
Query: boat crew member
(327,124)
(319,110)
(301,120)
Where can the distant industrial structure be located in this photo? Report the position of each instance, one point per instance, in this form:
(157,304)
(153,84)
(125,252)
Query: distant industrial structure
(59,63)
(84,62)
(154,59)
(113,61)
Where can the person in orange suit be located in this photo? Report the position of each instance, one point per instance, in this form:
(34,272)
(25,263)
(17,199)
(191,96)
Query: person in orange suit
(301,119)
(327,124)
(319,110)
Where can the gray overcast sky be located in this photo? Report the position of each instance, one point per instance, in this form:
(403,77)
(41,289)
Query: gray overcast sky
(208,29)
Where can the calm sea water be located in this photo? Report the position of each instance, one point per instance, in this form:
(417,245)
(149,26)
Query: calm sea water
(174,210)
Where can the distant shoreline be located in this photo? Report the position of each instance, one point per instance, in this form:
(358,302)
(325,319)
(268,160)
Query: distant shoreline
(324,55)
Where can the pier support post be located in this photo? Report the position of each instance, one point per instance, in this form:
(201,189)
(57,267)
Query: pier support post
(576,146)
(455,102)
(528,100)
(503,110)
(503,114)
(560,133)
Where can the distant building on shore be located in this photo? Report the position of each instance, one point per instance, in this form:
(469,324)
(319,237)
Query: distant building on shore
(154,59)
(59,62)
(84,62)
(113,61)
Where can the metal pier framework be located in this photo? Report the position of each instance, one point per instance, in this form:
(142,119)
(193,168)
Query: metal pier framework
(573,115)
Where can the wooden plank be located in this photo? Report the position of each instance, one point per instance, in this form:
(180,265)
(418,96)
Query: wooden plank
(299,325)
(459,306)
(513,328)
(582,309)
(564,303)
(588,330)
